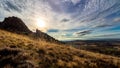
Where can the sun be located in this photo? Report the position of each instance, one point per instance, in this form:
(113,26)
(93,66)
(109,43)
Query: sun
(41,23)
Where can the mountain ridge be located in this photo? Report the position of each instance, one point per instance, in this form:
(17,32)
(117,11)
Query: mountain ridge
(16,25)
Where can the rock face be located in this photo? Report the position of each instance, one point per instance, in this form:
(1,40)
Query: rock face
(45,36)
(14,24)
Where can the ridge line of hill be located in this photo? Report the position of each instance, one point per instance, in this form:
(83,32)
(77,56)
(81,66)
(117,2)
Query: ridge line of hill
(16,25)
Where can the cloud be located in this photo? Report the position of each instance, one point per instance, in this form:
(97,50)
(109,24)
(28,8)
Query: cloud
(82,33)
(103,25)
(75,1)
(75,15)
(65,20)
(8,6)
(53,30)
(73,30)
(109,35)
(117,19)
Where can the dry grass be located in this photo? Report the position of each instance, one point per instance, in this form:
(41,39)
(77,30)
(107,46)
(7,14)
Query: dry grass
(17,51)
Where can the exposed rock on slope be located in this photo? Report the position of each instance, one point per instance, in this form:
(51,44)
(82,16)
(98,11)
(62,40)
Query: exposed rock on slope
(14,24)
(45,36)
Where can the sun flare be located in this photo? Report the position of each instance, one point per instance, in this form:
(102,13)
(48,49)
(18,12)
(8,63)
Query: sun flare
(41,23)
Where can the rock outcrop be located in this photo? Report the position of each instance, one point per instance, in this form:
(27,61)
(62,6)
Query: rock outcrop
(14,24)
(40,35)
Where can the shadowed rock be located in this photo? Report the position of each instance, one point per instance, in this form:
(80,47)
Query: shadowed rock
(14,24)
(45,36)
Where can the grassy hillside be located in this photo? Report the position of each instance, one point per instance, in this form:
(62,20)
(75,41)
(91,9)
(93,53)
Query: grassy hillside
(17,51)
(104,49)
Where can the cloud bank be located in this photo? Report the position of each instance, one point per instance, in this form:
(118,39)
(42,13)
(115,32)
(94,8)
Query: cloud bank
(66,16)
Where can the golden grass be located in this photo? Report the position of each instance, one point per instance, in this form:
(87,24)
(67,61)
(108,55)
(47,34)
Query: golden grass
(40,54)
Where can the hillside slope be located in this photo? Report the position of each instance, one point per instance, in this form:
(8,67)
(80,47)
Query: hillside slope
(18,51)
(16,25)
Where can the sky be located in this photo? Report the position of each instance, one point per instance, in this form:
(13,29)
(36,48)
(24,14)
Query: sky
(67,19)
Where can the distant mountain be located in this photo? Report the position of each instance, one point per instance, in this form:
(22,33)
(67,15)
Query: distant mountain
(16,25)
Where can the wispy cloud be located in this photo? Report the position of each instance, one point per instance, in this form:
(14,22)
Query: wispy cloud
(70,16)
(10,6)
(52,30)
(108,35)
(103,25)
(117,19)
(83,33)
(64,20)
